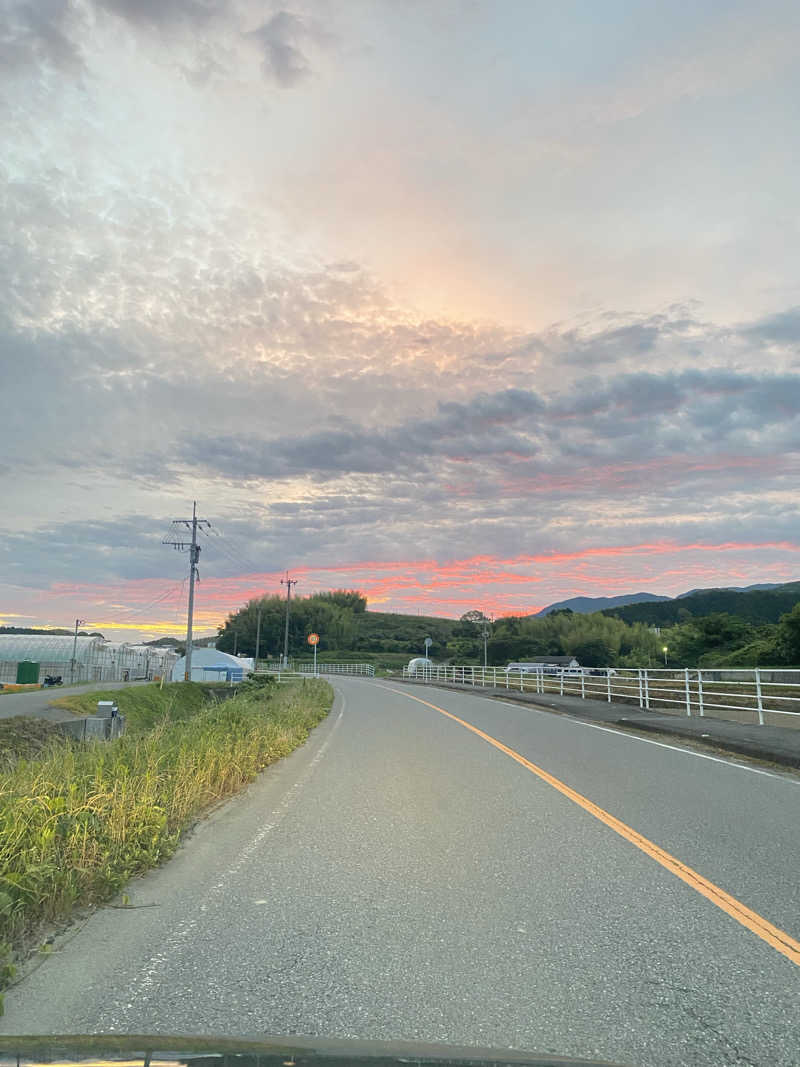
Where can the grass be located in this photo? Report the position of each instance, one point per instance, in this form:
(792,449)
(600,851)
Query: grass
(78,821)
(25,738)
(143,705)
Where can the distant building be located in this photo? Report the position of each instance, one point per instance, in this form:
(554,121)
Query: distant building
(211,665)
(87,659)
(547,665)
(419,663)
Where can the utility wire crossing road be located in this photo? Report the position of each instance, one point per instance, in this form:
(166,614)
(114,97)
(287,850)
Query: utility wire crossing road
(466,871)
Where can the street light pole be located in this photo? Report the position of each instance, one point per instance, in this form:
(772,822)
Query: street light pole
(665,650)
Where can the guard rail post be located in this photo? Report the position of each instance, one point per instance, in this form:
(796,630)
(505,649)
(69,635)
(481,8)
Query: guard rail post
(759,698)
(646,690)
(583,685)
(688,693)
(639,675)
(700,693)
(608,683)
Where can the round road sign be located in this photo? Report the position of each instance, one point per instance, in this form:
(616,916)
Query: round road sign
(313,639)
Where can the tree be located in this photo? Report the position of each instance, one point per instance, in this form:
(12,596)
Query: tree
(344,598)
(706,636)
(593,653)
(788,637)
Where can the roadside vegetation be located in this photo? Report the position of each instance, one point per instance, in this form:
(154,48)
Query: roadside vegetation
(78,821)
(709,628)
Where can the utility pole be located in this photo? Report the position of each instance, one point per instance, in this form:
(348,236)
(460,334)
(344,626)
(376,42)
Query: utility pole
(288,582)
(78,622)
(258,637)
(192,524)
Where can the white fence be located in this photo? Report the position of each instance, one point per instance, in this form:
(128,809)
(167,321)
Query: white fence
(364,669)
(304,669)
(758,695)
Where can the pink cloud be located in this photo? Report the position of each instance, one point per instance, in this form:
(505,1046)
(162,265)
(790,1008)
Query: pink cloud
(500,585)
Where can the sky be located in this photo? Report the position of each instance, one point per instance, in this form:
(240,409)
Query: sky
(467,304)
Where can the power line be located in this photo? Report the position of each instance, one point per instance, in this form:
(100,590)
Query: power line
(226,549)
(232,550)
(173,591)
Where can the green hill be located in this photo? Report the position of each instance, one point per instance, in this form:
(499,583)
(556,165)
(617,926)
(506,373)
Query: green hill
(383,631)
(757,606)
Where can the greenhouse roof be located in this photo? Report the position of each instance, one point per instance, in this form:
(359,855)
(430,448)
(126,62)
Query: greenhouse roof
(44,648)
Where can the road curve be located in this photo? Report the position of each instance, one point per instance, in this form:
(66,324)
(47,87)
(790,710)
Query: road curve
(401,877)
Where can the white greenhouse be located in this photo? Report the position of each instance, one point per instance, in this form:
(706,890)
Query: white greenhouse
(94,659)
(211,665)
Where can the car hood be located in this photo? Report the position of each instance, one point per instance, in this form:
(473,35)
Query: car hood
(110,1050)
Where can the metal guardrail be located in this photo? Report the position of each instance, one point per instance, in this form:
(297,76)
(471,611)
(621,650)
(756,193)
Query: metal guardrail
(741,695)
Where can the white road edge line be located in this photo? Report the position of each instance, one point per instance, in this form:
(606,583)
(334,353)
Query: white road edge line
(644,740)
(145,984)
(662,744)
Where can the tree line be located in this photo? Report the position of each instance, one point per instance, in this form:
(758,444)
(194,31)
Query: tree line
(346,628)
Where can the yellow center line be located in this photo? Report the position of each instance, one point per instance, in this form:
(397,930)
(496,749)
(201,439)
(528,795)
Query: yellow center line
(754,922)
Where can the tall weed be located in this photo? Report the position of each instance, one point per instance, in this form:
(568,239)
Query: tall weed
(78,821)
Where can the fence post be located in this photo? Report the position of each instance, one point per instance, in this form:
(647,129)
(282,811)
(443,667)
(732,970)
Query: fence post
(608,683)
(700,692)
(583,685)
(688,694)
(759,698)
(646,690)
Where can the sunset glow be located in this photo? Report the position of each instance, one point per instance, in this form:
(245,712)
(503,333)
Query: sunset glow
(413,299)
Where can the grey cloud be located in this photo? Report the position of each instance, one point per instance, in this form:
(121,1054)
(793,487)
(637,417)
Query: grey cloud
(164,12)
(284,40)
(636,418)
(39,31)
(783,327)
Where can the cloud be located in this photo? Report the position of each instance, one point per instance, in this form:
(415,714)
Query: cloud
(39,31)
(165,12)
(284,40)
(781,328)
(609,428)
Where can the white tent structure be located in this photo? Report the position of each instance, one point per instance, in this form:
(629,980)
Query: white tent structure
(94,658)
(211,665)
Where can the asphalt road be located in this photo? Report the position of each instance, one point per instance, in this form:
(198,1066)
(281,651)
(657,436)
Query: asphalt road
(38,702)
(400,877)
